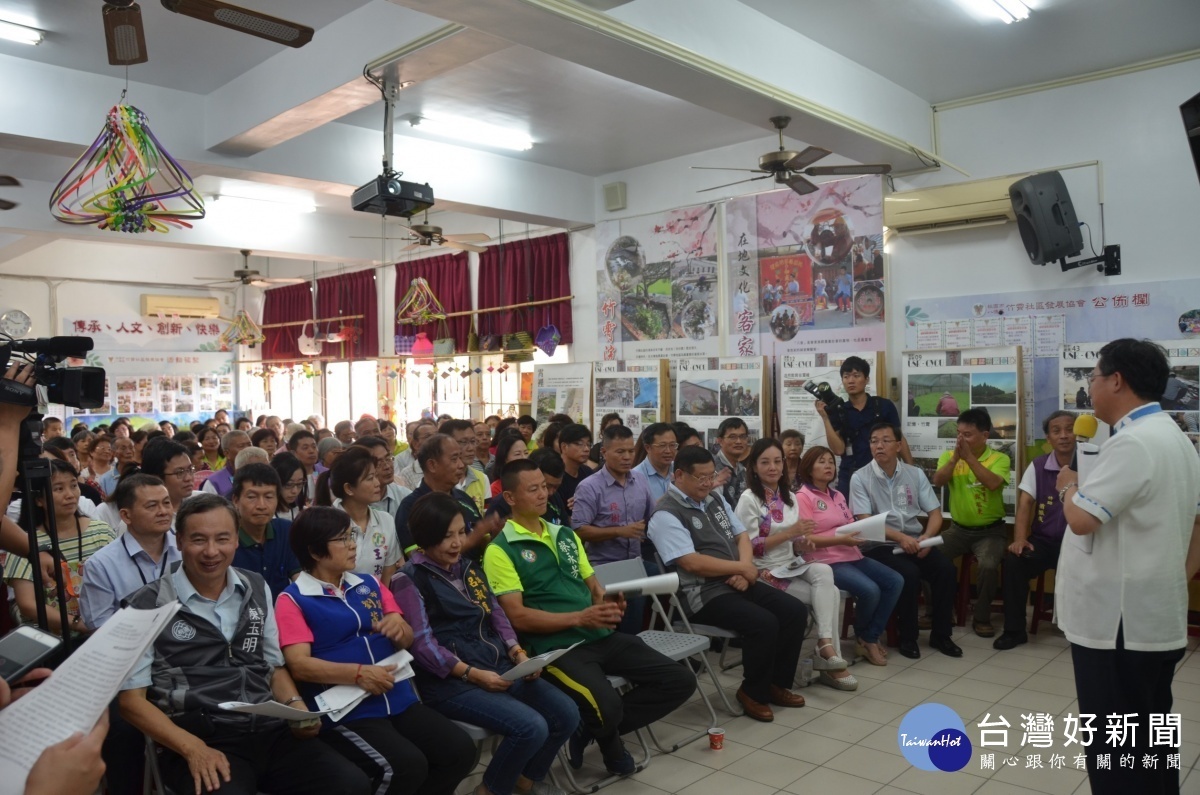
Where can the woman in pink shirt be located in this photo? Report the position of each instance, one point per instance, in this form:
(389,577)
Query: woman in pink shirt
(874,586)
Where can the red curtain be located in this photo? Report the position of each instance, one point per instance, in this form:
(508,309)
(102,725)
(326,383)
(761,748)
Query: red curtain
(350,294)
(284,305)
(521,271)
(450,280)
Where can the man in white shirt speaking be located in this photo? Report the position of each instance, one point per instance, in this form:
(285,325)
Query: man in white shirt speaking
(1132,546)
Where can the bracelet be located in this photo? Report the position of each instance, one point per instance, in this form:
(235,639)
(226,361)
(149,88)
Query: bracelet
(467,673)
(514,651)
(293,698)
(358,675)
(1062,495)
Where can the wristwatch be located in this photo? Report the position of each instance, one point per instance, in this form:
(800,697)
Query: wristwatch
(467,673)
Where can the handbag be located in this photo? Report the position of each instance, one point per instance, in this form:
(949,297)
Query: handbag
(404,344)
(548,337)
(518,345)
(491,343)
(472,338)
(422,347)
(308,345)
(445,344)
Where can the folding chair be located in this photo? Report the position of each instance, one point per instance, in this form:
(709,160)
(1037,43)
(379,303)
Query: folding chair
(479,736)
(707,630)
(152,783)
(618,683)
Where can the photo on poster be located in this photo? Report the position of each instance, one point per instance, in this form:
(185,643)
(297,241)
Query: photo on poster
(947,429)
(615,392)
(740,398)
(697,320)
(1008,448)
(143,407)
(1183,389)
(145,387)
(633,421)
(124,403)
(927,465)
(1004,421)
(127,385)
(168,383)
(166,402)
(645,392)
(649,416)
(208,382)
(994,388)
(571,401)
(939,395)
(785,281)
(184,404)
(786,320)
(1188,421)
(698,398)
(1075,393)
(1189,323)
(187,386)
(547,400)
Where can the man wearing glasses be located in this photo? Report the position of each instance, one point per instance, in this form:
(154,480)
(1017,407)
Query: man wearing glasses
(170,462)
(660,445)
(733,439)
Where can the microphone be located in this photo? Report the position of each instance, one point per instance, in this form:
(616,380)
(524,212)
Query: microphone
(54,346)
(1085,427)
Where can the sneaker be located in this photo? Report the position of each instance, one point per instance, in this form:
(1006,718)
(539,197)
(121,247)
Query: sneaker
(622,765)
(580,739)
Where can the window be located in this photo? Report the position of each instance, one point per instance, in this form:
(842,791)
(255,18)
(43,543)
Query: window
(351,390)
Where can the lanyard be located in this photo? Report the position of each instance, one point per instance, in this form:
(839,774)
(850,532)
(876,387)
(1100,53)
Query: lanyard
(1144,411)
(161,570)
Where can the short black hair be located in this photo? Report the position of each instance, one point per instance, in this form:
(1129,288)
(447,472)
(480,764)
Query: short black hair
(792,433)
(158,453)
(451,427)
(1054,415)
(312,531)
(611,416)
(59,443)
(256,475)
(550,462)
(550,434)
(574,433)
(202,502)
(430,519)
(683,432)
(563,418)
(46,423)
(261,435)
(978,417)
(183,437)
(1142,364)
(125,493)
(655,430)
(731,424)
(526,421)
(298,437)
(879,426)
(371,442)
(432,448)
(286,465)
(512,473)
(855,364)
(349,468)
(691,456)
(612,433)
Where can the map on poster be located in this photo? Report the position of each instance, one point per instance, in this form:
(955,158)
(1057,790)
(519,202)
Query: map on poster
(796,405)
(562,389)
(710,390)
(805,273)
(657,279)
(940,385)
(638,390)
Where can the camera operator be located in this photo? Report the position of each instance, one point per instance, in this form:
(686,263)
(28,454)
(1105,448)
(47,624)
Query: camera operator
(11,417)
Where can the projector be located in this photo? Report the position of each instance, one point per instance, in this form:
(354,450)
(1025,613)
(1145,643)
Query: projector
(390,195)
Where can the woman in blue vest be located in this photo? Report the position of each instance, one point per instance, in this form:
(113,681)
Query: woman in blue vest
(463,642)
(338,628)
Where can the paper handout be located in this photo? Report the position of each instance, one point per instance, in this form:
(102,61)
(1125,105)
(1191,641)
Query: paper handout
(339,700)
(793,568)
(870,529)
(269,709)
(924,543)
(535,664)
(659,585)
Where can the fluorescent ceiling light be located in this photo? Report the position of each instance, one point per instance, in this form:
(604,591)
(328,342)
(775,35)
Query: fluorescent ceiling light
(20,33)
(1014,10)
(473,132)
(250,205)
(1007,11)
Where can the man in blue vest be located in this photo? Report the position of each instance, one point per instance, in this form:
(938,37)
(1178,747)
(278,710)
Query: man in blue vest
(223,645)
(1038,532)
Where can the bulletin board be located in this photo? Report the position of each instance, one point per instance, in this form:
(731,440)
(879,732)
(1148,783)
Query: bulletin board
(639,390)
(796,406)
(710,390)
(562,389)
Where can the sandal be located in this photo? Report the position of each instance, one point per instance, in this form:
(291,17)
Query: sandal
(832,663)
(872,653)
(847,682)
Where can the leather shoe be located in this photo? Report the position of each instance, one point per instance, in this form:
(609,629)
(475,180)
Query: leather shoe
(945,646)
(782,697)
(755,709)
(984,629)
(1009,640)
(909,649)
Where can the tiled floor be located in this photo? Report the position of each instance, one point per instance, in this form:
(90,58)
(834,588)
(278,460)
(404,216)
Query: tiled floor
(845,743)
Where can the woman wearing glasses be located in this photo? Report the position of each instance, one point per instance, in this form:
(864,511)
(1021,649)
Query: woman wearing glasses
(337,627)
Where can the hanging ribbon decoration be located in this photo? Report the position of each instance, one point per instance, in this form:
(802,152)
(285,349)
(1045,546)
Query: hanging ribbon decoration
(127,182)
(419,305)
(242,331)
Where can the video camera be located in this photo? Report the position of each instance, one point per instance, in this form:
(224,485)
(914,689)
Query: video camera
(78,387)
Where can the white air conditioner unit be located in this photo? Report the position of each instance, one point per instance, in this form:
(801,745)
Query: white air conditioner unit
(180,305)
(964,205)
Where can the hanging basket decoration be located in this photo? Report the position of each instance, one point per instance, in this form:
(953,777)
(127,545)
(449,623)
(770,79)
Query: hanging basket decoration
(242,331)
(127,182)
(419,305)
(548,338)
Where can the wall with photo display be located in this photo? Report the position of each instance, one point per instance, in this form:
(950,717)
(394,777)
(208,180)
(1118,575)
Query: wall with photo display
(562,389)
(708,391)
(639,390)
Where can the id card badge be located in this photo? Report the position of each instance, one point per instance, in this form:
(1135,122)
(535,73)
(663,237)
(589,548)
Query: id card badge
(849,449)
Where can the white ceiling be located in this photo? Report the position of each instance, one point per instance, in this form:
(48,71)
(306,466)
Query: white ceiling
(940,51)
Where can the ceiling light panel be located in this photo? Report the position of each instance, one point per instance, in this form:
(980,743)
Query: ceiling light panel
(472,131)
(24,34)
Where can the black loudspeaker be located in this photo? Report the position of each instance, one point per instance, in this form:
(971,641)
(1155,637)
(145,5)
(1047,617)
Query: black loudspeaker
(1046,217)
(1191,123)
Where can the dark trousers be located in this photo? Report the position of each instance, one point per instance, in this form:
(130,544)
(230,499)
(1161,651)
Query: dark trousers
(659,686)
(937,570)
(274,762)
(1018,571)
(124,755)
(418,752)
(634,620)
(772,625)
(1120,681)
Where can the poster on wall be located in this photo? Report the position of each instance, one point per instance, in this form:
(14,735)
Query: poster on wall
(710,390)
(658,282)
(796,406)
(940,385)
(562,389)
(639,390)
(804,274)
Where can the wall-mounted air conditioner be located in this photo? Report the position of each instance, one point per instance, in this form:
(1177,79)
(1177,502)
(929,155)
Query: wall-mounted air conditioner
(964,205)
(181,306)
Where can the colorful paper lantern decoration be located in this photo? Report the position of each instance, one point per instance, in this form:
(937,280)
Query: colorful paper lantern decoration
(419,305)
(127,182)
(548,338)
(242,331)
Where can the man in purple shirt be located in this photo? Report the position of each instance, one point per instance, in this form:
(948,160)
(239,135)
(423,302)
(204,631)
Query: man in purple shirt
(611,511)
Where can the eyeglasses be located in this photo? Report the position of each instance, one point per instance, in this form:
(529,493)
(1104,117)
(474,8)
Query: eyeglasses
(707,480)
(1093,376)
(345,538)
(185,472)
(293,484)
(389,460)
(668,446)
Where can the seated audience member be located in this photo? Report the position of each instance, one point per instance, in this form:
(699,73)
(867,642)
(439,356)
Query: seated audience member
(139,439)
(390,434)
(875,587)
(686,435)
(352,486)
(888,485)
(548,438)
(303,445)
(321,434)
(63,445)
(551,465)
(380,450)
(474,483)
(768,511)
(483,458)
(463,642)
(251,455)
(263,545)
(733,443)
(574,445)
(124,455)
(440,459)
(210,441)
(52,427)
(170,462)
(697,534)
(120,428)
(976,475)
(328,451)
(292,499)
(510,446)
(655,453)
(221,482)
(100,461)
(336,624)
(316,421)
(223,645)
(793,448)
(527,425)
(366,426)
(596,454)
(545,585)
(417,434)
(1038,532)
(344,433)
(243,424)
(266,439)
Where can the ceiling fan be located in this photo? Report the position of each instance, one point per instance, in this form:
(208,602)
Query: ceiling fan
(8,182)
(126,37)
(248,276)
(791,168)
(427,234)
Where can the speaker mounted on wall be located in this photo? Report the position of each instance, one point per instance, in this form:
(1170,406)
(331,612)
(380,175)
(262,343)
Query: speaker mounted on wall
(1049,226)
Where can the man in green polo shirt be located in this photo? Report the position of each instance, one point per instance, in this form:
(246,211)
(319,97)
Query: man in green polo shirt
(976,475)
(545,584)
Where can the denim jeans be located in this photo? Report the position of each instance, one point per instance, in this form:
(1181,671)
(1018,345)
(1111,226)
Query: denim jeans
(875,588)
(535,719)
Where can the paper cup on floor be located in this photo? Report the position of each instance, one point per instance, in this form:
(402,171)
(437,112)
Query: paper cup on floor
(716,739)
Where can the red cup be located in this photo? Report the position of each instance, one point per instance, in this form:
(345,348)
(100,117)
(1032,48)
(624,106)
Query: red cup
(716,739)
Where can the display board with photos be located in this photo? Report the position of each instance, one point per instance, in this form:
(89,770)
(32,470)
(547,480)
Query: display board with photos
(710,390)
(1181,398)
(562,389)
(938,385)
(186,387)
(638,390)
(797,407)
